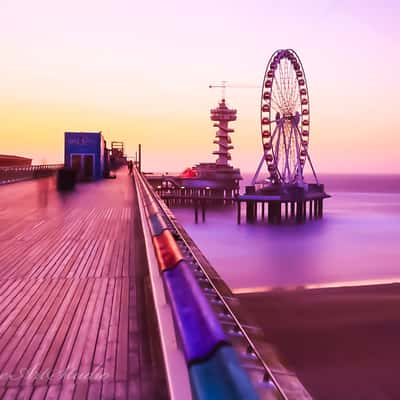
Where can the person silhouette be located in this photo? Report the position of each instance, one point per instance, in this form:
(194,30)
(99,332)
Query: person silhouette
(130,167)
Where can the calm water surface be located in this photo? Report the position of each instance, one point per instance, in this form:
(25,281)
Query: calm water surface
(357,240)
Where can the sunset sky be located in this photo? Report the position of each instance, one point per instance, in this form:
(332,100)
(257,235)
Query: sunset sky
(139,71)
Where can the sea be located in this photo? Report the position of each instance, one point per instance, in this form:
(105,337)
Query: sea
(357,242)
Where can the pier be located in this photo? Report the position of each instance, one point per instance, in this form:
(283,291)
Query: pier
(278,206)
(92,308)
(91,285)
(189,210)
(76,310)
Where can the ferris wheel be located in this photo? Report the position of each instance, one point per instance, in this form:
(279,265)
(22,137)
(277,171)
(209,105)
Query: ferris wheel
(285,119)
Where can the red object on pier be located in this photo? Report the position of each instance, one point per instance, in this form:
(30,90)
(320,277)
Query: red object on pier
(188,173)
(167,251)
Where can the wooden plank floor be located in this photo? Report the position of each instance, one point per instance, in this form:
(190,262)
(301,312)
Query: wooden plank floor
(69,325)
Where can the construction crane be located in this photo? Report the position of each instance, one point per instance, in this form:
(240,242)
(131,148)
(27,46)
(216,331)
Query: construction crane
(223,85)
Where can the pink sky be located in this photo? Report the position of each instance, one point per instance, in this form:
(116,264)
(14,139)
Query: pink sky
(139,71)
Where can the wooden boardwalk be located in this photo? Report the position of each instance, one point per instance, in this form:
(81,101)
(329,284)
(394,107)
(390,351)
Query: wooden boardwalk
(74,317)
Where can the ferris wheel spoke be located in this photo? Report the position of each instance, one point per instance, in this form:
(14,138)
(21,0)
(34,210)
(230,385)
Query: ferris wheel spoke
(286,166)
(282,84)
(296,91)
(276,106)
(296,102)
(280,69)
(290,88)
(287,78)
(287,74)
(294,88)
(291,100)
(278,99)
(282,75)
(278,92)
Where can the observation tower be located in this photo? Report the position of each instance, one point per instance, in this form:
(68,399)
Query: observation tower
(219,176)
(217,181)
(223,115)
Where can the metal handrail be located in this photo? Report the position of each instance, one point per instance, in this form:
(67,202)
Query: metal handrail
(31,167)
(238,323)
(175,365)
(10,174)
(251,344)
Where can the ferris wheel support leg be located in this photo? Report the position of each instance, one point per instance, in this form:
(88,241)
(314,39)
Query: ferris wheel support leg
(253,182)
(299,168)
(312,167)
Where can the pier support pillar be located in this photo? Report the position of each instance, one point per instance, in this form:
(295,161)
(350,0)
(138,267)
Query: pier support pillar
(292,209)
(274,213)
(239,204)
(196,212)
(251,206)
(299,212)
(250,211)
(270,213)
(203,210)
(278,212)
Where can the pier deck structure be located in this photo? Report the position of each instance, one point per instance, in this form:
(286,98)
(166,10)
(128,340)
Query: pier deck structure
(75,315)
(94,291)
(282,203)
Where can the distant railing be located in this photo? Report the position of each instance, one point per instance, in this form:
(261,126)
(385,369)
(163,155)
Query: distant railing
(16,174)
(161,174)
